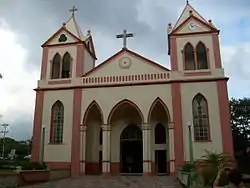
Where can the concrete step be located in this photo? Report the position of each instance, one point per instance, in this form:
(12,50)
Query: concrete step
(112,182)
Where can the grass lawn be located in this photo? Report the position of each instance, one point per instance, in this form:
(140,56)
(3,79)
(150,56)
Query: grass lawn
(3,171)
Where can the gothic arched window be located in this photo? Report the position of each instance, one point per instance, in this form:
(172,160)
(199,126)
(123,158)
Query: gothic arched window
(57,121)
(201,54)
(66,65)
(200,118)
(131,132)
(56,66)
(160,134)
(189,59)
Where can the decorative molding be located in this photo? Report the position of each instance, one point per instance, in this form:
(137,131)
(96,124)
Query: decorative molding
(171,125)
(126,79)
(106,127)
(83,128)
(146,126)
(125,62)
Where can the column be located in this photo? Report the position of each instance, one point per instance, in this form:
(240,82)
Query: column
(146,144)
(171,149)
(83,129)
(106,129)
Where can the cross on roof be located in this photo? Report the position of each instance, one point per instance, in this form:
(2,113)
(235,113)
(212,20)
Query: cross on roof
(73,10)
(124,36)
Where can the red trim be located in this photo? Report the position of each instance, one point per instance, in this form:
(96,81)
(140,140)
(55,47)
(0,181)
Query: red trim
(80,60)
(173,53)
(92,104)
(105,85)
(207,73)
(37,126)
(109,60)
(216,48)
(209,128)
(224,110)
(178,127)
(75,146)
(158,100)
(44,63)
(125,101)
(59,82)
(45,44)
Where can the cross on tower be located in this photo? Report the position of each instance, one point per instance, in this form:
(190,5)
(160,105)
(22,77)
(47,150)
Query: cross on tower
(73,10)
(124,36)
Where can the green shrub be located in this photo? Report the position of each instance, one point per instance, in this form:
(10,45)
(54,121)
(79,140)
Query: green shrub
(187,167)
(33,166)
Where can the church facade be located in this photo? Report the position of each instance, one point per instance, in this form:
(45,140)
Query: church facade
(130,114)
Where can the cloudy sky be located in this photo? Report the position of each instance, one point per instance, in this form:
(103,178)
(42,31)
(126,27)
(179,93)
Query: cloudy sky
(26,24)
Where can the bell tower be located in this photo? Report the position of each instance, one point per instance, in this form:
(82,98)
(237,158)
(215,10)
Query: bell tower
(193,43)
(195,56)
(67,54)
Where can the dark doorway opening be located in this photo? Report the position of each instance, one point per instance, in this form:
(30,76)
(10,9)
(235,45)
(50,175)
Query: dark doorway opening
(161,161)
(131,150)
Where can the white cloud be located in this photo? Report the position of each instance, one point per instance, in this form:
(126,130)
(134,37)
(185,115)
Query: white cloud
(236,63)
(16,88)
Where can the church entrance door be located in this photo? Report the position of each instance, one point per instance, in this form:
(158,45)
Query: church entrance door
(131,150)
(161,161)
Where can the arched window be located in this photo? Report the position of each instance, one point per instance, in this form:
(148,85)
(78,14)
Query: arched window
(57,120)
(66,65)
(201,56)
(189,57)
(131,132)
(160,134)
(200,118)
(56,66)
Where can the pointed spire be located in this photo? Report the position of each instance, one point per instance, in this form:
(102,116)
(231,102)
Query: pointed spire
(72,26)
(187,11)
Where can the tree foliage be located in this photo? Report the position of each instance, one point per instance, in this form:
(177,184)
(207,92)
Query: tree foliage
(240,121)
(22,147)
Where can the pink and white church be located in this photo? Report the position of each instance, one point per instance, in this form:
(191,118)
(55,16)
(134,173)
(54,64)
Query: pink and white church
(129,114)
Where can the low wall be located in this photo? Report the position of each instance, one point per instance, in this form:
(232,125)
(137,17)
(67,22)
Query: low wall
(56,174)
(13,179)
(183,177)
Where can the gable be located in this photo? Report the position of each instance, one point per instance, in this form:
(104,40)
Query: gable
(90,45)
(193,26)
(126,62)
(62,36)
(185,15)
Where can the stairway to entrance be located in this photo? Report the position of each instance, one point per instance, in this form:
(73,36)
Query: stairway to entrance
(111,182)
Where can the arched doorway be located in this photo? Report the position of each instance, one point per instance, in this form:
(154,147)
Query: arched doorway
(159,119)
(131,149)
(93,119)
(125,119)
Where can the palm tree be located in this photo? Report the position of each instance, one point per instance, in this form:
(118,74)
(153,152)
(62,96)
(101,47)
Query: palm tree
(211,162)
(216,160)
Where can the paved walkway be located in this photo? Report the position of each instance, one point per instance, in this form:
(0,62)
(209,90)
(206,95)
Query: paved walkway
(111,182)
